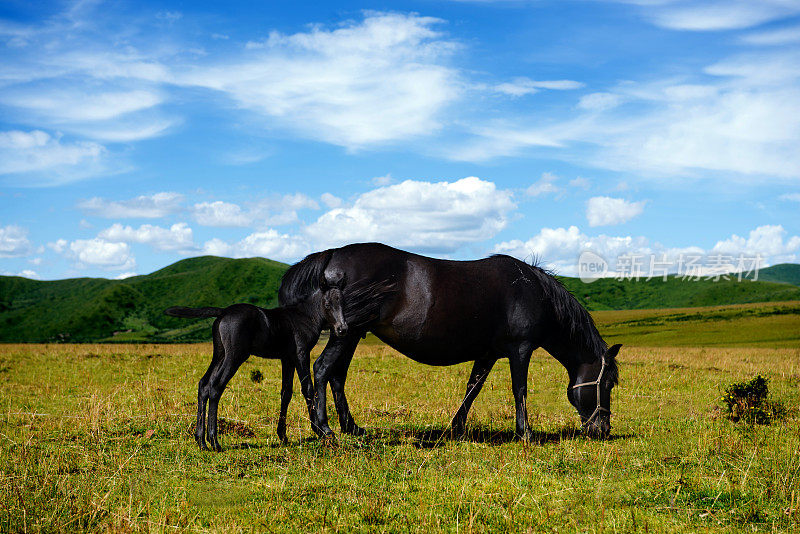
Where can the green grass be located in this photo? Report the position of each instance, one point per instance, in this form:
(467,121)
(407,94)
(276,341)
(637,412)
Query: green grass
(97,438)
(92,310)
(774,324)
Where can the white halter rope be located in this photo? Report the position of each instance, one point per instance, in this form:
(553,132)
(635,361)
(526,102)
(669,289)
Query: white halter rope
(599,408)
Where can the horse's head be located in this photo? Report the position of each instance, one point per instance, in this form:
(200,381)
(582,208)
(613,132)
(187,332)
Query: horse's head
(333,303)
(590,392)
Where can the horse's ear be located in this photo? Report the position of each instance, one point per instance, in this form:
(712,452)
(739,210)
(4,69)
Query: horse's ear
(612,351)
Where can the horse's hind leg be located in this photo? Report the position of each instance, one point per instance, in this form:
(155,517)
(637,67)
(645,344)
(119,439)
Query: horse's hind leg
(480,370)
(338,379)
(287,385)
(202,391)
(519,359)
(235,356)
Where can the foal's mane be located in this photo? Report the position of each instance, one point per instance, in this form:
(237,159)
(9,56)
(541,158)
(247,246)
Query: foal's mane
(571,316)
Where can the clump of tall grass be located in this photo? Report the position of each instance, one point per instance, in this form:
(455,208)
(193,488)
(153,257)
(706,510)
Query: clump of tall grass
(750,402)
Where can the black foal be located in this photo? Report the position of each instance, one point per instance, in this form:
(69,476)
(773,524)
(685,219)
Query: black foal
(286,333)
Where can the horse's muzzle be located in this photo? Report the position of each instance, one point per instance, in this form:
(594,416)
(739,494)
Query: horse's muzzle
(340,330)
(599,429)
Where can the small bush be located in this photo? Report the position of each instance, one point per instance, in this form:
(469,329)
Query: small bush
(256,376)
(750,402)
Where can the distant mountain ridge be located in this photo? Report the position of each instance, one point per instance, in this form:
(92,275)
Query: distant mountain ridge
(131,310)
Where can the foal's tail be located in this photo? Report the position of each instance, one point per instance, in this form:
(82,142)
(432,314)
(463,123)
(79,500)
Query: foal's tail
(183,311)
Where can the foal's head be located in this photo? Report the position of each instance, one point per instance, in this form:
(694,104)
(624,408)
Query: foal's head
(590,393)
(334,314)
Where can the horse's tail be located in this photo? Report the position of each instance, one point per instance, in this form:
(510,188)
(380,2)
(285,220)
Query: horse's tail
(303,278)
(363,300)
(183,311)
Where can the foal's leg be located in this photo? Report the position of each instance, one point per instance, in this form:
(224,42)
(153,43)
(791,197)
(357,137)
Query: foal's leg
(287,384)
(303,366)
(234,358)
(202,393)
(338,378)
(324,367)
(480,370)
(519,359)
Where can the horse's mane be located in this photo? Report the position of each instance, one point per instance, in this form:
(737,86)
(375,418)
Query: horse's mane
(572,317)
(362,301)
(302,278)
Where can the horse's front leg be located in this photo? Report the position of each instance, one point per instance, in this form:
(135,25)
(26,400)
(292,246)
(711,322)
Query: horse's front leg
(287,384)
(324,367)
(338,378)
(480,370)
(519,359)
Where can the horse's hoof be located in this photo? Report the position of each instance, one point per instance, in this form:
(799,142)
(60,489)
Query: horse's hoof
(354,430)
(282,434)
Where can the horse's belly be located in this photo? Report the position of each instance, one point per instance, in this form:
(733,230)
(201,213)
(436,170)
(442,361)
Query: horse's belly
(433,350)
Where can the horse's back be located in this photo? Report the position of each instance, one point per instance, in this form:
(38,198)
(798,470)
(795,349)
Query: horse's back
(444,311)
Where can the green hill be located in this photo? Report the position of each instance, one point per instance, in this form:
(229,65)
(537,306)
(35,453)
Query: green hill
(612,294)
(97,309)
(788,273)
(130,310)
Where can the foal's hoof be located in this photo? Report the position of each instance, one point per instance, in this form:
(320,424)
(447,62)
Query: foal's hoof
(282,433)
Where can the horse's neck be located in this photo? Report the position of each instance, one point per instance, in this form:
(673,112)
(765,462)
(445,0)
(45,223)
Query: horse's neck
(570,353)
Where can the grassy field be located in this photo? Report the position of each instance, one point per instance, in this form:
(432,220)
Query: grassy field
(98,438)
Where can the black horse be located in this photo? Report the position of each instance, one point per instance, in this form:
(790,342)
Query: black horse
(286,333)
(442,312)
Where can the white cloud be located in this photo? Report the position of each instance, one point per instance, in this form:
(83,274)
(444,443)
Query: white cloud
(219,213)
(331,201)
(435,217)
(14,242)
(45,160)
(98,252)
(560,248)
(386,179)
(275,210)
(525,86)
(768,241)
(58,246)
(599,101)
(745,120)
(268,244)
(69,105)
(712,15)
(792,197)
(780,36)
(144,206)
(28,273)
(379,80)
(607,211)
(546,184)
(123,276)
(583,183)
(177,237)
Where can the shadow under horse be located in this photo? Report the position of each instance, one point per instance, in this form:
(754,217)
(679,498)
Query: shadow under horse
(444,312)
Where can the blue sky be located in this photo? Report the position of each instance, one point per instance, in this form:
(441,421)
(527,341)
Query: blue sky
(134,134)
